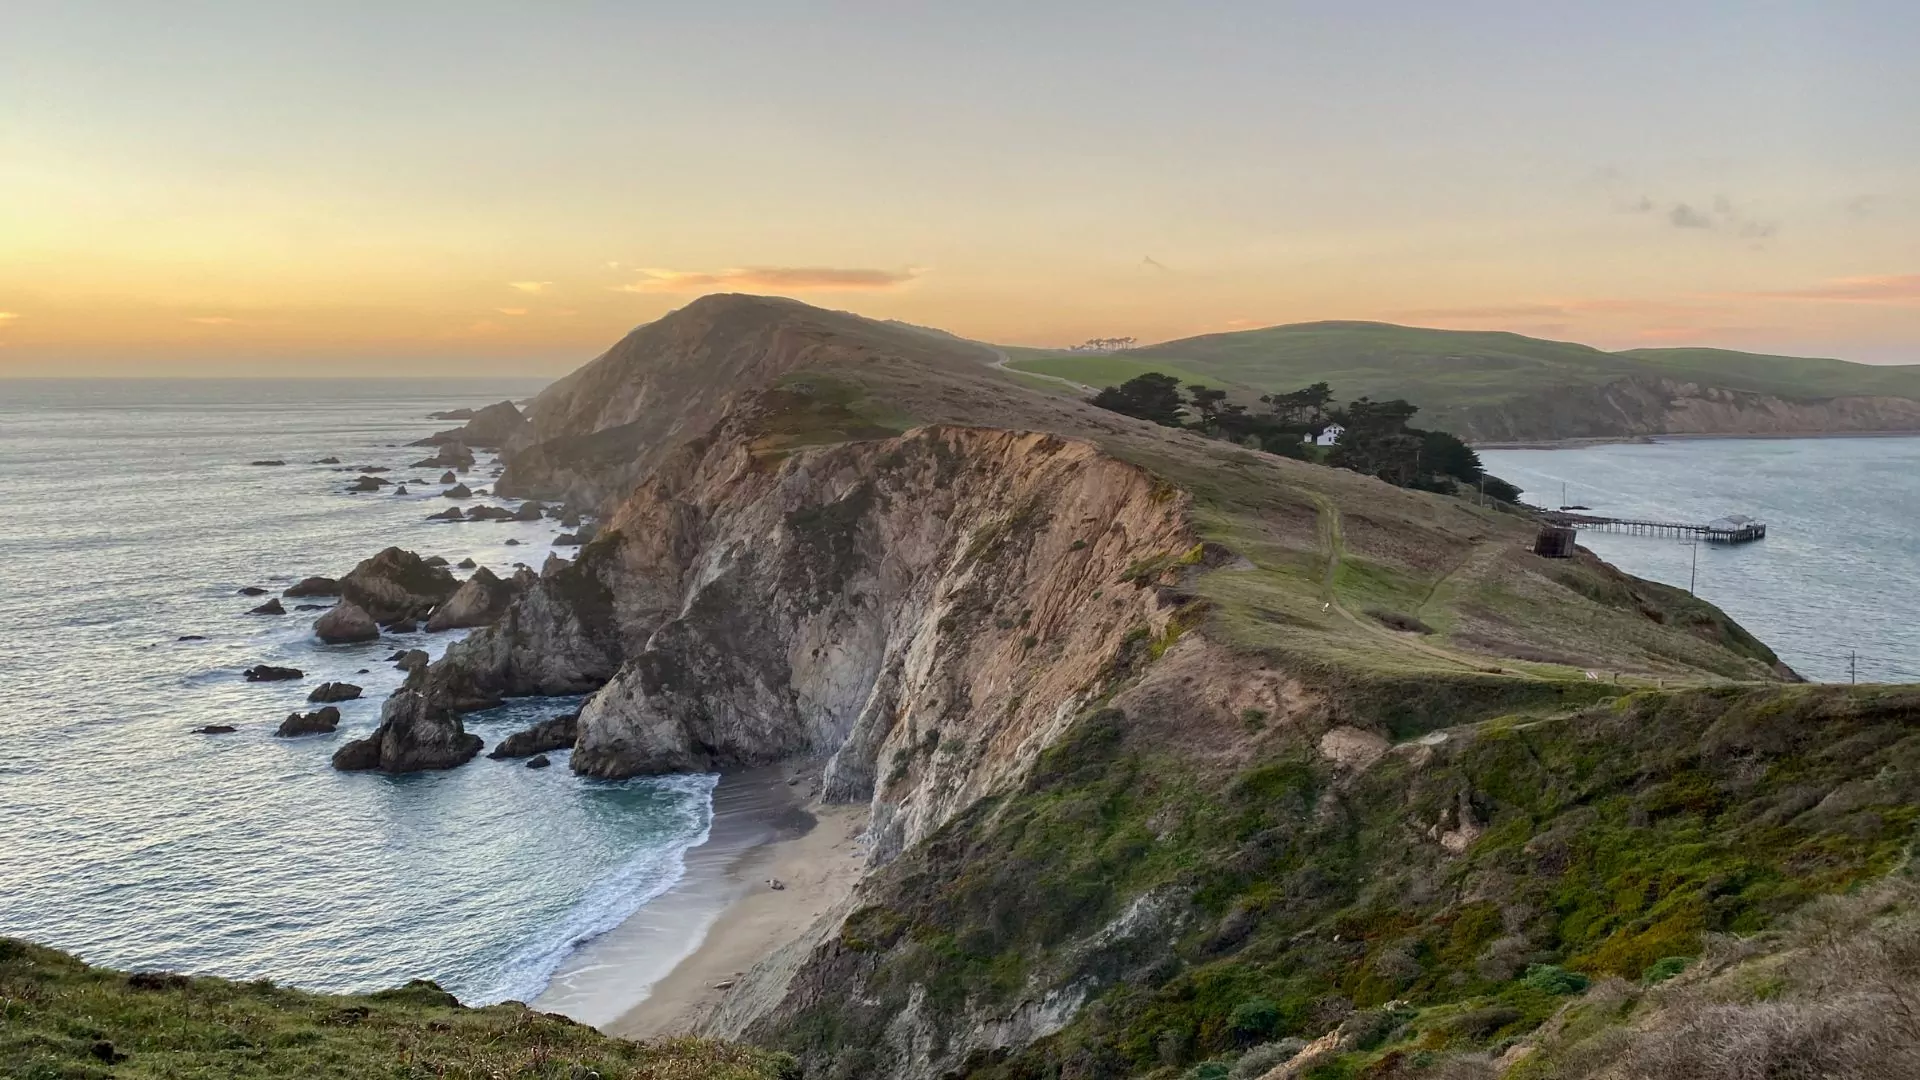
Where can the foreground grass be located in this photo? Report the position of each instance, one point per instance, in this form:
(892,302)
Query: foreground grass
(60,1018)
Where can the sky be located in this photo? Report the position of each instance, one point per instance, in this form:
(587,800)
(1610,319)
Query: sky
(359,189)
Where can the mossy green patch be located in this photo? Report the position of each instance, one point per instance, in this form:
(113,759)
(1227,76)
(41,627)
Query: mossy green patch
(60,1018)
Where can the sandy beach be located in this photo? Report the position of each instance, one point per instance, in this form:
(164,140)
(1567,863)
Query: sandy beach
(666,969)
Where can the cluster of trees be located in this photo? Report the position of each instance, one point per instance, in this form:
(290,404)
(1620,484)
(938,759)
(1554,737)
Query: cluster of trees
(1378,439)
(1105,344)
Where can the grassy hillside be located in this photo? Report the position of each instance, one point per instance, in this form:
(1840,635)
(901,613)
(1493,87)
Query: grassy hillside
(60,1018)
(1446,370)
(1787,376)
(1237,892)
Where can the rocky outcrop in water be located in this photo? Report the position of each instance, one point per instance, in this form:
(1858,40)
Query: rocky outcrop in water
(344,624)
(271,607)
(313,586)
(270,673)
(323,721)
(397,585)
(451,455)
(412,737)
(480,601)
(333,691)
(547,735)
(491,428)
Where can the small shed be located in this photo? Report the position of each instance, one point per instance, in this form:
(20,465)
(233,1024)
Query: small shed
(1554,542)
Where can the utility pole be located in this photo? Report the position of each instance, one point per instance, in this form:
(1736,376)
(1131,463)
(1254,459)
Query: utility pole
(1693,575)
(1853,666)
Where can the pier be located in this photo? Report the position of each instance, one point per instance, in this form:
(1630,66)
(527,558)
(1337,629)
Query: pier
(1737,529)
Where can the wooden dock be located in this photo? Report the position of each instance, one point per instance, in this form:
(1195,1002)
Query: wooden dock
(1729,530)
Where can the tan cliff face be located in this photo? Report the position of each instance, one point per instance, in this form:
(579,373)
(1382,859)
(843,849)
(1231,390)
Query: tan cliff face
(1654,406)
(926,612)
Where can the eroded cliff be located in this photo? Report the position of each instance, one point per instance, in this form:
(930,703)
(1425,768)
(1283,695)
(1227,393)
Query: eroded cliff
(1659,406)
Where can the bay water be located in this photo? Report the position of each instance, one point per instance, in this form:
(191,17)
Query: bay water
(1834,588)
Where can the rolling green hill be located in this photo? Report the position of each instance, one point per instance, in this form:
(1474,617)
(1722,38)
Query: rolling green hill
(1488,384)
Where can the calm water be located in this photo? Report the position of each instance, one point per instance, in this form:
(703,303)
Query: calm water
(128,518)
(1839,571)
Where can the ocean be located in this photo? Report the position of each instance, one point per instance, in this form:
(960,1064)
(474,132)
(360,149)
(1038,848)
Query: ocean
(1833,586)
(129,519)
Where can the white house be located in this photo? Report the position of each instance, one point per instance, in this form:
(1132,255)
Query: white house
(1327,437)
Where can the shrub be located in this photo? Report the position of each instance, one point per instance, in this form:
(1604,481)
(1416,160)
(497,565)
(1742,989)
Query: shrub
(1254,1019)
(1664,968)
(1555,979)
(1207,1070)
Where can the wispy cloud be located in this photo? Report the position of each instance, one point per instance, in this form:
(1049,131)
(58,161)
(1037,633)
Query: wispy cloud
(1901,289)
(1683,216)
(1156,264)
(530,286)
(213,320)
(8,316)
(786,278)
(1718,215)
(511,310)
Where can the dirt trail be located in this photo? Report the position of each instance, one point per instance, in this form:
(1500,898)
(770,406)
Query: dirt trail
(1333,538)
(1004,360)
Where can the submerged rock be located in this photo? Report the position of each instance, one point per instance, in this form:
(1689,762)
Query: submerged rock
(271,607)
(511,542)
(216,729)
(466,564)
(538,761)
(458,491)
(319,722)
(368,483)
(489,513)
(397,585)
(270,673)
(401,490)
(334,691)
(345,623)
(191,637)
(558,733)
(314,586)
(252,590)
(451,513)
(327,461)
(274,461)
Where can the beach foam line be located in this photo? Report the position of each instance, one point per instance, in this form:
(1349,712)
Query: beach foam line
(608,902)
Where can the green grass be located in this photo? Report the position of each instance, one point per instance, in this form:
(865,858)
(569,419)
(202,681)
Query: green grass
(1444,371)
(1609,842)
(61,1019)
(1107,369)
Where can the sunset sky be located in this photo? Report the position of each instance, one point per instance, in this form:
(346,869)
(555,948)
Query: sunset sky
(471,187)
